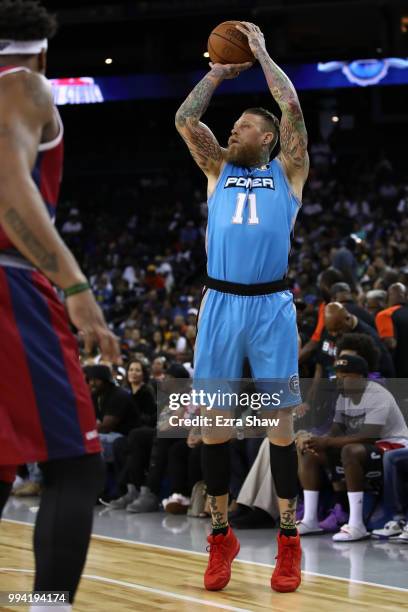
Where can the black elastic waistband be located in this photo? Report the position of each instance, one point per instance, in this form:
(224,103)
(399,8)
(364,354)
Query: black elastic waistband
(242,289)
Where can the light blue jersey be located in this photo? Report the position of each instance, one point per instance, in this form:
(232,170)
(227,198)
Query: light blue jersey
(251,215)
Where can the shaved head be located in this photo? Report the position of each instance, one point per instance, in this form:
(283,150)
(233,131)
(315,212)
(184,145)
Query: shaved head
(337,319)
(397,294)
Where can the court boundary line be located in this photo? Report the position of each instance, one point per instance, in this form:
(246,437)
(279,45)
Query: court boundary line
(140,587)
(245,561)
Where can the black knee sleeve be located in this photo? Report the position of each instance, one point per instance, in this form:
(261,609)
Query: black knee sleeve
(284,468)
(5,488)
(216,467)
(64,521)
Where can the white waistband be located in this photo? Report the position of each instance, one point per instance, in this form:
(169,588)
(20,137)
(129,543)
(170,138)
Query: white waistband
(15,261)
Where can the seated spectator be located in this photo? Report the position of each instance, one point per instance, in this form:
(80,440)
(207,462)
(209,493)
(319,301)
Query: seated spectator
(392,325)
(114,407)
(395,468)
(142,452)
(363,345)
(144,410)
(326,279)
(339,321)
(376,300)
(341,292)
(184,468)
(366,414)
(149,498)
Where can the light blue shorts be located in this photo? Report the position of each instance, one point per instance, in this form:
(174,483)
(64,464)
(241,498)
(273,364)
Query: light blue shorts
(262,328)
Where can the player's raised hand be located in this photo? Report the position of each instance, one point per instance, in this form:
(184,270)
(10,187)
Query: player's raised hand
(229,71)
(85,314)
(256,39)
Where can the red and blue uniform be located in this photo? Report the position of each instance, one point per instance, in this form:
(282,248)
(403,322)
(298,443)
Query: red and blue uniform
(46,411)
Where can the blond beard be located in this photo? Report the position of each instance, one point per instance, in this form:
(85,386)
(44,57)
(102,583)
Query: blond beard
(245,156)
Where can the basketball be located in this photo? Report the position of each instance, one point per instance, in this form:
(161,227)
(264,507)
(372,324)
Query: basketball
(227,45)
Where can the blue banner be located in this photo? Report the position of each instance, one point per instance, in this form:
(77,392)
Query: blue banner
(323,75)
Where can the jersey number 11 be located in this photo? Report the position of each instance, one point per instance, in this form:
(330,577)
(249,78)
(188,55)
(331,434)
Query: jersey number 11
(239,209)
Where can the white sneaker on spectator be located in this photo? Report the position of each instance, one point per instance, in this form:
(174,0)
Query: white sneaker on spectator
(176,504)
(349,533)
(308,528)
(391,529)
(403,537)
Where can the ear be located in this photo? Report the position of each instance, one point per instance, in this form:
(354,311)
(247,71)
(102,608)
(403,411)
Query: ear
(268,138)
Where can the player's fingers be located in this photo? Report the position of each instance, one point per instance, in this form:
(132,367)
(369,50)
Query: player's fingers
(242,29)
(89,341)
(109,346)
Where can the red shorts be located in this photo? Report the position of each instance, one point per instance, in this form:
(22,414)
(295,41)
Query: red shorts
(46,411)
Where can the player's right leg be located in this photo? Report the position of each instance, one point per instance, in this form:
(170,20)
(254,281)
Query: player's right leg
(218,358)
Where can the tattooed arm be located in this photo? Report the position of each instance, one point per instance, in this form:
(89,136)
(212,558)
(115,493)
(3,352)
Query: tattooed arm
(26,108)
(293,135)
(201,142)
(26,111)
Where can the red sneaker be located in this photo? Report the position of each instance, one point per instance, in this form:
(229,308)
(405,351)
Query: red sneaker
(286,576)
(223,549)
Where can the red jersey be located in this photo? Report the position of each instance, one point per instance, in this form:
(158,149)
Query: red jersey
(47,171)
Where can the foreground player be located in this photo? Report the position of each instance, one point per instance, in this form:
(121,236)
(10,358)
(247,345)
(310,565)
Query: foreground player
(246,311)
(46,414)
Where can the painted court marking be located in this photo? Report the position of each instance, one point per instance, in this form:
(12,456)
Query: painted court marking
(258,563)
(146,589)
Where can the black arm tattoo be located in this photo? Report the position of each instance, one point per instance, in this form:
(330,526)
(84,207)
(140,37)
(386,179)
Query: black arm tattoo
(46,261)
(200,140)
(293,135)
(218,519)
(288,516)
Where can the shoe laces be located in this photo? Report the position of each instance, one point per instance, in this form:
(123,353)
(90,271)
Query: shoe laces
(216,550)
(286,559)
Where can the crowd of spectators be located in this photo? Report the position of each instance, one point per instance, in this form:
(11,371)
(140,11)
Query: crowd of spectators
(143,248)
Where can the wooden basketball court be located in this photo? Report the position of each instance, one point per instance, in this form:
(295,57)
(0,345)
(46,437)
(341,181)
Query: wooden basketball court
(124,576)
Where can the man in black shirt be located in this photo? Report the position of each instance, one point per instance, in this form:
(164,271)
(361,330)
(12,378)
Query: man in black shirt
(341,292)
(339,321)
(115,411)
(392,325)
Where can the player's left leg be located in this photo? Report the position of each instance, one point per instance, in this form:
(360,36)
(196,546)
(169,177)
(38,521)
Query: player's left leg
(284,466)
(64,521)
(273,355)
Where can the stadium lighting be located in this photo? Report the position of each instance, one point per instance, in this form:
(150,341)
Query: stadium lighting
(108,60)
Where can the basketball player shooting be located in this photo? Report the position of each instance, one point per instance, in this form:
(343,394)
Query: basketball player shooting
(46,412)
(247,310)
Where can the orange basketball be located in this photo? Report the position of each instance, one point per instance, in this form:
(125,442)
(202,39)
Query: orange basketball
(227,45)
